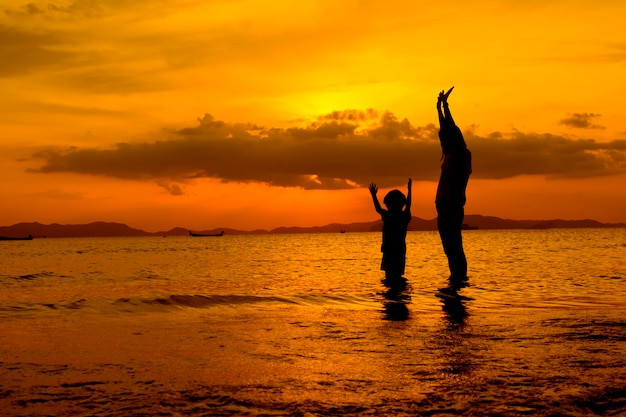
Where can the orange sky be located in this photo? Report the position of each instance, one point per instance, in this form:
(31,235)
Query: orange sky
(256,114)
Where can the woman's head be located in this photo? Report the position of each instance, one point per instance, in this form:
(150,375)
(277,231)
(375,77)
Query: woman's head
(451,139)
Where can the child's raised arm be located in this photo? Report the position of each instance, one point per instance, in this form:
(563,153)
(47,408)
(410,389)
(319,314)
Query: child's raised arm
(373,190)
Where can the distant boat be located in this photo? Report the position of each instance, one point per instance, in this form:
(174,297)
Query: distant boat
(466,226)
(205,235)
(29,237)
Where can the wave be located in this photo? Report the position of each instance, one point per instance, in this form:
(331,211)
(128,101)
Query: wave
(30,277)
(208,301)
(203,301)
(186,302)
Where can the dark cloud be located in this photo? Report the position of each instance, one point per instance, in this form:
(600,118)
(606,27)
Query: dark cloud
(29,9)
(29,51)
(338,151)
(581,121)
(53,39)
(23,52)
(77,8)
(503,156)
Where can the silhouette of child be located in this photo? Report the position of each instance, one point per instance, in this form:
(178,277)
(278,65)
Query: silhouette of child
(395,224)
(450,201)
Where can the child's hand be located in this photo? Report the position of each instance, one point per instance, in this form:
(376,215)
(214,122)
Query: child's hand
(373,189)
(410,183)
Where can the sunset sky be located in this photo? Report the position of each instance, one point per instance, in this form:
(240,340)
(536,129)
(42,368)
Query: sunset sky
(257,114)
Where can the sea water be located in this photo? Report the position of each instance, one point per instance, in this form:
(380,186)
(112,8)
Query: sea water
(303,325)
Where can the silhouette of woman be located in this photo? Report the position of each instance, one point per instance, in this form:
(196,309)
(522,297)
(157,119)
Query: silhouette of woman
(450,201)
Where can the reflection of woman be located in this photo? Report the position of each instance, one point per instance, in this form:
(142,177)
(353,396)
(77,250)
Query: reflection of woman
(450,201)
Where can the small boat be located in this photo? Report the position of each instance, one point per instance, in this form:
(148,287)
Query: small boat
(205,235)
(29,237)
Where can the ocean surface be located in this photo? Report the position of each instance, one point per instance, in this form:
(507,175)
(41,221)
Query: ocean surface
(303,325)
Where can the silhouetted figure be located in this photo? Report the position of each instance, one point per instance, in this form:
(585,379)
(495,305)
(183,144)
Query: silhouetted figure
(395,223)
(450,201)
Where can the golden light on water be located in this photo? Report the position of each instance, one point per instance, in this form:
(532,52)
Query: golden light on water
(304,324)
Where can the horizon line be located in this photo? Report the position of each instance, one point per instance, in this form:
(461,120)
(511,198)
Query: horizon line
(525,223)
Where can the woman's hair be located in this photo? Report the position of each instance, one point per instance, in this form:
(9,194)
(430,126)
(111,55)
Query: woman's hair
(394,199)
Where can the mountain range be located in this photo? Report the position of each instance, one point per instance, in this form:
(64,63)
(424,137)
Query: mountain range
(107,229)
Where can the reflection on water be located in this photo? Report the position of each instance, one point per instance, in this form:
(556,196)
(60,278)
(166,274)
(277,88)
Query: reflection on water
(454,337)
(454,307)
(396,298)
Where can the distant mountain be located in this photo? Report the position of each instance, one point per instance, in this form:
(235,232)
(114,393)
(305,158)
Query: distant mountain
(490,222)
(104,229)
(96,229)
(471,221)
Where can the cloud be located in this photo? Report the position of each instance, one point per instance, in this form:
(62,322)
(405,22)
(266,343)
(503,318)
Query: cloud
(338,151)
(39,8)
(71,44)
(24,51)
(172,188)
(57,108)
(72,56)
(80,8)
(501,156)
(581,121)
(128,47)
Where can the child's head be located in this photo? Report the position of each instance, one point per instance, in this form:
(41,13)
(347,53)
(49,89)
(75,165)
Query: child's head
(395,200)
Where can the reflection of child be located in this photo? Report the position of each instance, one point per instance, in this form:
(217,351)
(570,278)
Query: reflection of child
(395,224)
